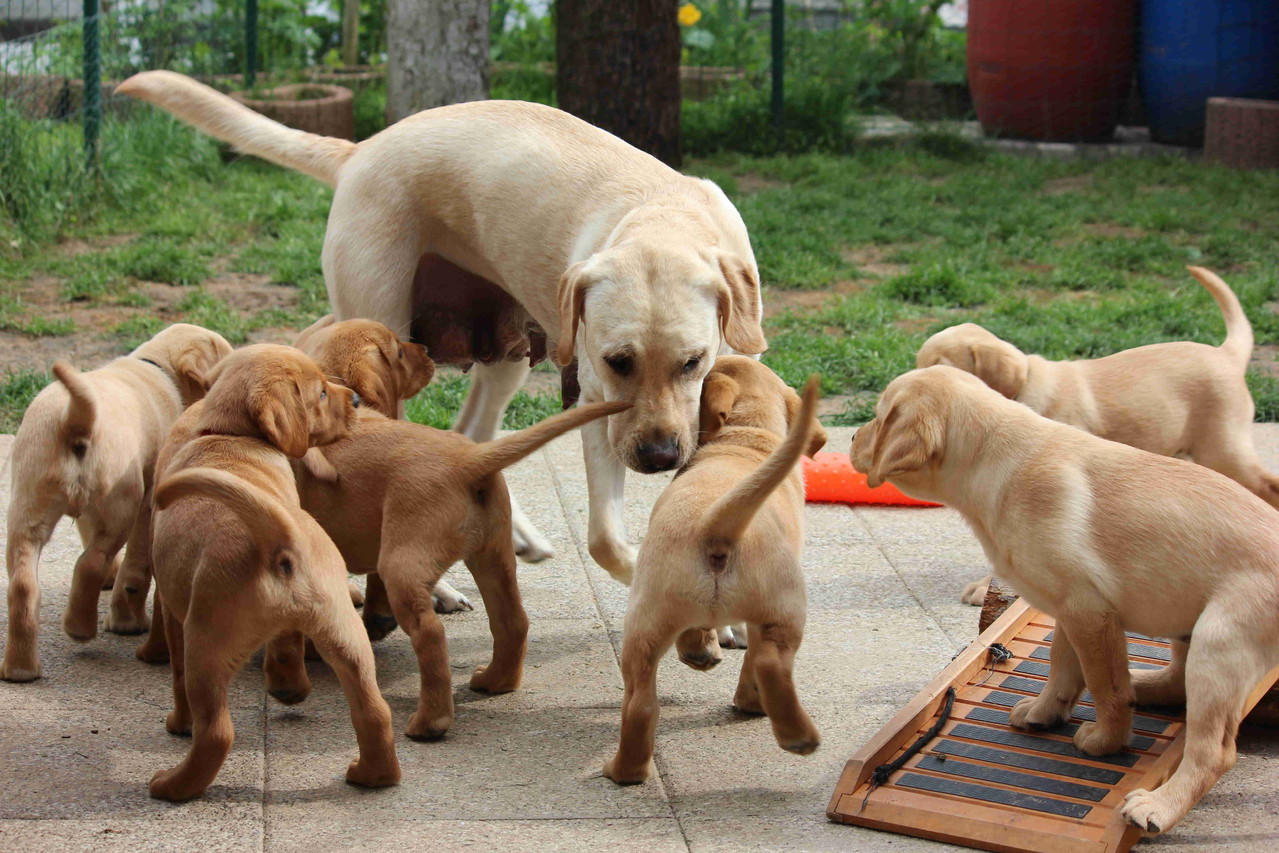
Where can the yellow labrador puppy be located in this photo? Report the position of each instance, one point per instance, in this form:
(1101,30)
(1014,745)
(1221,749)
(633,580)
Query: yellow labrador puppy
(86,448)
(1176,399)
(486,229)
(1105,538)
(723,546)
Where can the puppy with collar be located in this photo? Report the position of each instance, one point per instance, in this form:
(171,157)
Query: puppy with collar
(723,547)
(1176,399)
(238,562)
(86,448)
(1107,539)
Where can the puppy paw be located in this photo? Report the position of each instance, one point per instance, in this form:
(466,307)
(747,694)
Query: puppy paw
(290,695)
(975,593)
(177,725)
(628,775)
(1037,714)
(732,639)
(531,546)
(422,729)
(370,774)
(125,622)
(82,629)
(357,597)
(747,701)
(801,745)
(1145,809)
(449,600)
(155,653)
(20,668)
(1091,739)
(485,679)
(378,625)
(169,785)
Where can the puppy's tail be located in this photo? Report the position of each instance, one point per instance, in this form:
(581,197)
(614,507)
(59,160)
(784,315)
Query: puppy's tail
(267,520)
(1238,342)
(252,133)
(82,410)
(723,524)
(493,456)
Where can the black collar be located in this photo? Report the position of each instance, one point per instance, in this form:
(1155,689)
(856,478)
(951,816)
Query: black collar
(155,364)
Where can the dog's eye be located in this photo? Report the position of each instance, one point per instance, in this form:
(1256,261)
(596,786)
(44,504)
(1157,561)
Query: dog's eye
(619,364)
(692,364)
(324,395)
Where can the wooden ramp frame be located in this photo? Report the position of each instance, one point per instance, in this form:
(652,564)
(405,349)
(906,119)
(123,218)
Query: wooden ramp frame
(981,783)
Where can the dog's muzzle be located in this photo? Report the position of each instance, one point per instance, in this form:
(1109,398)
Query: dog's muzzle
(657,456)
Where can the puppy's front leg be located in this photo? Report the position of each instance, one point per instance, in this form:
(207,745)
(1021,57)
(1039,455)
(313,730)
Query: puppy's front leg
(1056,701)
(606,485)
(1102,647)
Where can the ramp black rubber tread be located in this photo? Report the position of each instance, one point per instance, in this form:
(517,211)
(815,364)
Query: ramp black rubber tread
(1029,762)
(973,791)
(1011,778)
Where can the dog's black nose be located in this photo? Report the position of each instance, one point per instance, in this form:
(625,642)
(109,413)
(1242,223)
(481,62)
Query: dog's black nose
(355,399)
(658,455)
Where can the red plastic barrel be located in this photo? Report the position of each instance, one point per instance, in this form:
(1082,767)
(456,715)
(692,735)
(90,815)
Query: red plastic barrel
(1050,69)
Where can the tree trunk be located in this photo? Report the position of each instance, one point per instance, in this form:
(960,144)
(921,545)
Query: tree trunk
(618,68)
(437,54)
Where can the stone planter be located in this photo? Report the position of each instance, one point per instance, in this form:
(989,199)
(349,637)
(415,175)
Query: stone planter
(927,100)
(357,78)
(701,82)
(314,107)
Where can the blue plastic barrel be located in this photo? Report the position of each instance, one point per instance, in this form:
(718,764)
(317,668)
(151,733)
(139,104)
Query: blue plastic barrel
(1193,50)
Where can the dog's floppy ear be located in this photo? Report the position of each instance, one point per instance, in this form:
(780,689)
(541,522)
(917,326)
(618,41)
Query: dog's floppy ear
(1002,367)
(283,419)
(817,439)
(719,393)
(572,301)
(194,368)
(738,296)
(306,334)
(904,441)
(408,384)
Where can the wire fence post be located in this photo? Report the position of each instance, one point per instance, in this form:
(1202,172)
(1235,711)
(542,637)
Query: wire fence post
(92,116)
(779,64)
(250,42)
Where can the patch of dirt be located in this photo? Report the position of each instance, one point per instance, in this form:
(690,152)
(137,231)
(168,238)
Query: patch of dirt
(780,301)
(1063,186)
(1265,359)
(1110,229)
(94,341)
(753,183)
(870,259)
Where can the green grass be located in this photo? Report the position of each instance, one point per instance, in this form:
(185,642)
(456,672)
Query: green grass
(17,390)
(438,404)
(1069,260)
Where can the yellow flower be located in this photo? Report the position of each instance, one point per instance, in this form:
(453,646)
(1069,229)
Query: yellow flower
(689,15)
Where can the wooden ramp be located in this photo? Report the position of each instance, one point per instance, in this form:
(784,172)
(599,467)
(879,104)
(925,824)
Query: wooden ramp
(981,783)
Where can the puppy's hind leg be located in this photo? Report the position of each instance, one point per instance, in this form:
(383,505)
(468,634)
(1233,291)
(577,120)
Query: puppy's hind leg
(494,573)
(1226,660)
(30,527)
(128,613)
(1166,685)
(155,649)
(285,668)
(642,649)
(341,640)
(774,648)
(378,618)
(104,537)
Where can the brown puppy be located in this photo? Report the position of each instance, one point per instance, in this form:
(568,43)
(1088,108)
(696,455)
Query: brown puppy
(1107,539)
(87,449)
(723,546)
(372,361)
(408,502)
(239,562)
(1175,399)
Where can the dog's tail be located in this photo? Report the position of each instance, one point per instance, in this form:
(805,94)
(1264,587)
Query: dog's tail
(1238,342)
(267,520)
(723,524)
(82,410)
(252,133)
(493,456)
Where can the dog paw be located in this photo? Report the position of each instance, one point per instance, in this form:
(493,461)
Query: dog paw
(485,679)
(748,702)
(176,725)
(289,695)
(357,597)
(702,661)
(82,630)
(801,745)
(379,626)
(126,623)
(626,776)
(1037,714)
(975,593)
(1144,810)
(449,600)
(368,774)
(19,672)
(532,547)
(1091,739)
(730,639)
(169,785)
(421,729)
(155,653)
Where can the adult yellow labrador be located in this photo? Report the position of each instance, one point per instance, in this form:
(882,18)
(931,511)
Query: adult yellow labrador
(486,229)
